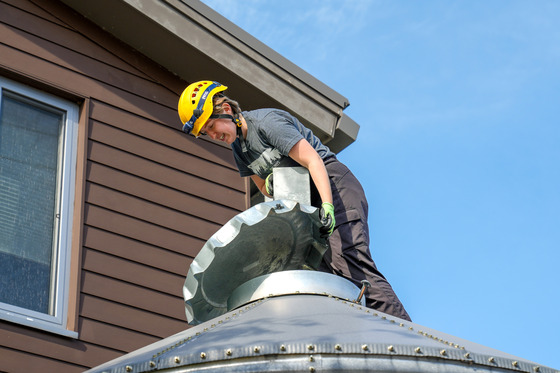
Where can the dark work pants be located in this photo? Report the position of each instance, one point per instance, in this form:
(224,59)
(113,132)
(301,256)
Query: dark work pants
(349,255)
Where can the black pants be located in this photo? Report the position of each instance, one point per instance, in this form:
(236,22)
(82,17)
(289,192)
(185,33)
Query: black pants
(349,255)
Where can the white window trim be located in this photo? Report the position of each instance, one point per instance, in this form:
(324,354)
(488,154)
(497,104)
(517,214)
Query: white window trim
(56,323)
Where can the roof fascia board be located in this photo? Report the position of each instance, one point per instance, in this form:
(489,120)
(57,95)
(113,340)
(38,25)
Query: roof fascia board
(171,32)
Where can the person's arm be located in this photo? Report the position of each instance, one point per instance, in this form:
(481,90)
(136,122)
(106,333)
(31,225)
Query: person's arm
(304,154)
(260,183)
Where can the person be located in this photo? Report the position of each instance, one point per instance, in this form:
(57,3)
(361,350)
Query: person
(264,138)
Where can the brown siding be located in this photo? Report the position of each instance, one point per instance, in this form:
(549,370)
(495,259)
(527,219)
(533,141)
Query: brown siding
(152,196)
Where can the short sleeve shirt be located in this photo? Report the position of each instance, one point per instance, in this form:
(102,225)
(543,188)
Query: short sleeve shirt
(271,134)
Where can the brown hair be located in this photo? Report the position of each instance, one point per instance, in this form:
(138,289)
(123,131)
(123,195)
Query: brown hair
(218,100)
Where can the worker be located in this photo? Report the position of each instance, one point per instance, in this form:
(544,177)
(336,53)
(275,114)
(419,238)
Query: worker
(264,138)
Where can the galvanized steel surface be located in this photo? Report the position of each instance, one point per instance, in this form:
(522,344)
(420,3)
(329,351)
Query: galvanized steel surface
(269,237)
(317,333)
(291,283)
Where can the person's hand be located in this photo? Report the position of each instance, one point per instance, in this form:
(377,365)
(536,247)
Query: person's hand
(326,214)
(268,184)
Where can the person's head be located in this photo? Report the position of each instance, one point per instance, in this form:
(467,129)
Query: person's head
(204,109)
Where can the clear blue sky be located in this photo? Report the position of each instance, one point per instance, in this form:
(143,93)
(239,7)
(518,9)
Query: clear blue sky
(458,151)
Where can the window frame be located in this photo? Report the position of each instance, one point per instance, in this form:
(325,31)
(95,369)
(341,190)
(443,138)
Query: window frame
(58,322)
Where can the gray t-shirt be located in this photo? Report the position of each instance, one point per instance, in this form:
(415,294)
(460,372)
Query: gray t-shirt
(271,134)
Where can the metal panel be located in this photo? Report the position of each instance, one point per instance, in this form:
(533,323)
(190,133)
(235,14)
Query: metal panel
(303,333)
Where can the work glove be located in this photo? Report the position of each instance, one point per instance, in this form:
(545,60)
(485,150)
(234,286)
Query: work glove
(268,185)
(326,214)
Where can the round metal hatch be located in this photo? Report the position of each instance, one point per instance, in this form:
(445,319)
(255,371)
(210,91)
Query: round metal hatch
(270,237)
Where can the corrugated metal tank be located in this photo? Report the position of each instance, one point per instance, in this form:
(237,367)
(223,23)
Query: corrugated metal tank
(295,320)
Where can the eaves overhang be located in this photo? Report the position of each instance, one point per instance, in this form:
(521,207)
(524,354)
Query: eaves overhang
(180,34)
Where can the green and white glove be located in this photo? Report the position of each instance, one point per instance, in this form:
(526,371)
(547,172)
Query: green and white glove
(326,214)
(269,185)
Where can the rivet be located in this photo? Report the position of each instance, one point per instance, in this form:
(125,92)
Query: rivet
(177,360)
(537,369)
(203,355)
(338,347)
(443,352)
(411,328)
(257,349)
(418,350)
(393,322)
(205,330)
(312,369)
(401,324)
(384,317)
(515,364)
(391,348)
(228,352)
(213,325)
(152,364)
(128,368)
(311,358)
(282,348)
(491,360)
(310,347)
(467,356)
(364,347)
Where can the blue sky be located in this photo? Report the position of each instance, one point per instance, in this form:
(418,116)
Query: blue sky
(458,150)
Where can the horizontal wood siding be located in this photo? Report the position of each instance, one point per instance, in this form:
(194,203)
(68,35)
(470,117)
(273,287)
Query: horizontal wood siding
(153,196)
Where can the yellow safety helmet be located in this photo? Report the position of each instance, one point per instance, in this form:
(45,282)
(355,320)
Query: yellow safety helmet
(196,105)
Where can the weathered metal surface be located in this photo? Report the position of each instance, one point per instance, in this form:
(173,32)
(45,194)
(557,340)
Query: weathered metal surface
(321,333)
(269,237)
(292,183)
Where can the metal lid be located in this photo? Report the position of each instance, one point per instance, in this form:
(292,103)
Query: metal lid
(270,237)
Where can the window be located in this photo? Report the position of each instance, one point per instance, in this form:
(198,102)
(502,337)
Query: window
(38,135)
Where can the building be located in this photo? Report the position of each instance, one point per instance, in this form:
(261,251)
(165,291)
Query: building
(104,203)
